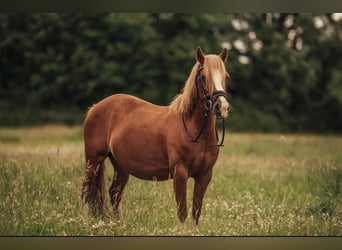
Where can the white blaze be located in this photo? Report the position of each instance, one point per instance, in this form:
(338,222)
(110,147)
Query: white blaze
(217,79)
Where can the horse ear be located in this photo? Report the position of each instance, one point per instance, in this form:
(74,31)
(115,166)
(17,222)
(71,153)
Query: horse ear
(224,54)
(199,55)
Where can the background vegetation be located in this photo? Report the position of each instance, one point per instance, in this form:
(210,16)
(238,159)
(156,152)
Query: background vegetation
(286,69)
(263,184)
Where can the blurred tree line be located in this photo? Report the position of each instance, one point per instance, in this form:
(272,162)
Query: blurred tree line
(286,69)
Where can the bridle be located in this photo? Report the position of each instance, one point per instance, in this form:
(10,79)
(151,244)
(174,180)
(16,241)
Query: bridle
(209,100)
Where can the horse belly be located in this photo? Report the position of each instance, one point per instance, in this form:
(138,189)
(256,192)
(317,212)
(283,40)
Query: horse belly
(153,173)
(144,166)
(142,156)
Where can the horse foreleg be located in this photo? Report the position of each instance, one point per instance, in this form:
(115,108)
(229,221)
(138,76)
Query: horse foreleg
(120,180)
(180,178)
(201,184)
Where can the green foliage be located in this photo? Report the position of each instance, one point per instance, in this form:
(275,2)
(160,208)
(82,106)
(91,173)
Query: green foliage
(285,77)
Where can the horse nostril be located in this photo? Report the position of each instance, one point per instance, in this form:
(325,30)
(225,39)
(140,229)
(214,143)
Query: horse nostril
(217,108)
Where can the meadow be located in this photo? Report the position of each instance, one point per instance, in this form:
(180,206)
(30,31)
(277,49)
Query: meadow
(263,185)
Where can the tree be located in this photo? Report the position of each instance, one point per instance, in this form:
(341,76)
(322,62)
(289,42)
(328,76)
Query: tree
(285,67)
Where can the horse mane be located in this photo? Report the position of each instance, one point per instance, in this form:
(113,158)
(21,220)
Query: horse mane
(184,102)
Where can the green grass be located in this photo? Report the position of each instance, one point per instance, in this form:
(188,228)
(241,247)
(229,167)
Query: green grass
(263,184)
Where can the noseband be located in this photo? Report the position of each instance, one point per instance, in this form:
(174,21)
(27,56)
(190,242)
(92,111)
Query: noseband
(209,100)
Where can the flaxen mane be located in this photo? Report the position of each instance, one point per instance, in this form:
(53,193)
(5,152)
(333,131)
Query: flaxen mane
(184,102)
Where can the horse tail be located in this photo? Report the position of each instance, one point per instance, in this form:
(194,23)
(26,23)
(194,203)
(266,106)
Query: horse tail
(94,188)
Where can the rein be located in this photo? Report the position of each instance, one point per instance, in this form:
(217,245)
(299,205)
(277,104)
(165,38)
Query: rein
(208,104)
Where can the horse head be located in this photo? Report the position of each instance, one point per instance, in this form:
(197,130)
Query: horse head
(212,78)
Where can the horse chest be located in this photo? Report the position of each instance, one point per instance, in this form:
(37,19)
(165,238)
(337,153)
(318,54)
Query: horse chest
(201,161)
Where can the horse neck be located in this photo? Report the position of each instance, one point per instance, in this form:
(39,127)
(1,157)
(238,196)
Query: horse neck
(197,117)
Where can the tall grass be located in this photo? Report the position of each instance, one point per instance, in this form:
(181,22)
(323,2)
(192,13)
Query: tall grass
(263,184)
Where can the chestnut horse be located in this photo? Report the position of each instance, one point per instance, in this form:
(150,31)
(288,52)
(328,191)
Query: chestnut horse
(158,142)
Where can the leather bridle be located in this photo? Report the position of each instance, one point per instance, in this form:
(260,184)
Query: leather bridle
(209,100)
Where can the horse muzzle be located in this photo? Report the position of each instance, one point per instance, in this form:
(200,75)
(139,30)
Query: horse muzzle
(221,108)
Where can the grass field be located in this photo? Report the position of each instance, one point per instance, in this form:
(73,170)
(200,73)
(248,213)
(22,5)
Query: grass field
(263,184)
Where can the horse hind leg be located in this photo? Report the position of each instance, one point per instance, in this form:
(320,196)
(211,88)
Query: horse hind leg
(93,190)
(120,180)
